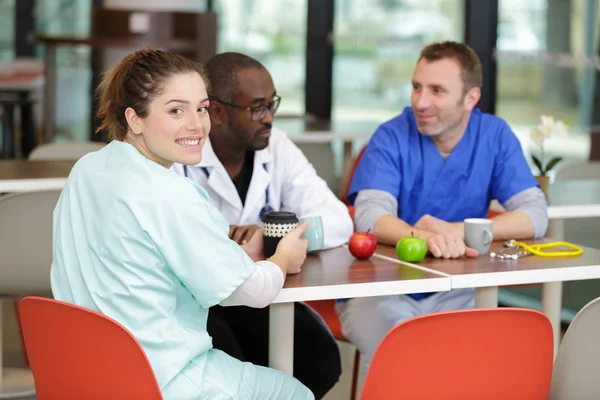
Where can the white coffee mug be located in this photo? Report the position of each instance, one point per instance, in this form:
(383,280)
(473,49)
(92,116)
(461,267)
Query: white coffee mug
(478,234)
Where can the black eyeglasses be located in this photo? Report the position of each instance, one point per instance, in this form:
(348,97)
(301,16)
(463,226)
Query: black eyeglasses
(256,113)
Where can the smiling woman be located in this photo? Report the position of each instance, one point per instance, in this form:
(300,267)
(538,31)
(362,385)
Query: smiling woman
(144,246)
(161,107)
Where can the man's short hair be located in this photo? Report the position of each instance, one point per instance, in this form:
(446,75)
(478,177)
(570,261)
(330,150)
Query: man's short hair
(221,71)
(469,62)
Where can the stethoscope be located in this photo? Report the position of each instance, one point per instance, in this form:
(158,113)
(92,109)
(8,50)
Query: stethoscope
(513,250)
(266,208)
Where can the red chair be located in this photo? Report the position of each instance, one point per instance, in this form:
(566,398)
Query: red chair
(326,309)
(500,353)
(344,195)
(76,353)
(494,213)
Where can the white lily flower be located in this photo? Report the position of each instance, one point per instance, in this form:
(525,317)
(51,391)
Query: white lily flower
(545,130)
(537,136)
(560,127)
(549,127)
(548,121)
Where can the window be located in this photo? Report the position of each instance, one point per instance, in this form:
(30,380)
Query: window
(377,44)
(7,29)
(547,56)
(273,32)
(73,73)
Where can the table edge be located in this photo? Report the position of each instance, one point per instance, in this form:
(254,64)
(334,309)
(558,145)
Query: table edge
(28,185)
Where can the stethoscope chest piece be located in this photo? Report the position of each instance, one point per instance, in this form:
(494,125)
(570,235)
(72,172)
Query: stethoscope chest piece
(510,252)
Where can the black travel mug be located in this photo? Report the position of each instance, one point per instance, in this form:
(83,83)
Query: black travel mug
(277,224)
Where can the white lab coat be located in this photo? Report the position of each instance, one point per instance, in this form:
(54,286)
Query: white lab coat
(292,184)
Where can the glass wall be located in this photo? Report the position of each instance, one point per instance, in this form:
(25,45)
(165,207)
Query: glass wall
(73,73)
(546,52)
(273,32)
(6,34)
(7,29)
(547,55)
(377,44)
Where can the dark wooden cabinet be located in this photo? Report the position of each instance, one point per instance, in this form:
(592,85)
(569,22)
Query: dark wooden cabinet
(191,34)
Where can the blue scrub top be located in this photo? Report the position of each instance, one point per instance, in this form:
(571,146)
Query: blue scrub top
(487,163)
(144,246)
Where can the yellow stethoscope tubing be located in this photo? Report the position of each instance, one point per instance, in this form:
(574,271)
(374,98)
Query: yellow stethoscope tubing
(537,249)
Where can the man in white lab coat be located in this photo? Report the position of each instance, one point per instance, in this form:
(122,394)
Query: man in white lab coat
(248,168)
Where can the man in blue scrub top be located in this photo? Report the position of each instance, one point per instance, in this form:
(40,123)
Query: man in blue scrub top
(425,171)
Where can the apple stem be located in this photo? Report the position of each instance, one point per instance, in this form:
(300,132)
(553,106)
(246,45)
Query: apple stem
(412,234)
(368,230)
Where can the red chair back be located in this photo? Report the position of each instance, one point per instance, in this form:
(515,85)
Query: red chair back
(494,213)
(344,196)
(76,353)
(501,353)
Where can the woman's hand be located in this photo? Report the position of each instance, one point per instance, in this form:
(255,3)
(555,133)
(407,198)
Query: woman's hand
(292,249)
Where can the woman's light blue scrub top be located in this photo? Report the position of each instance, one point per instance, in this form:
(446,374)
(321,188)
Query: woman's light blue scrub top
(143,245)
(487,163)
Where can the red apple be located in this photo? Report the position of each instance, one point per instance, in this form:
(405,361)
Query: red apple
(362,245)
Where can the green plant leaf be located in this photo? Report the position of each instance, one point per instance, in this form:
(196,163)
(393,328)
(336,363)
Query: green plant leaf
(552,163)
(538,164)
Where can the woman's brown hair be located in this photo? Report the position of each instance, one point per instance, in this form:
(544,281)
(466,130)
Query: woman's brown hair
(134,82)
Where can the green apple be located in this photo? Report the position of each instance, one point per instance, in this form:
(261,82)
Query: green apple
(411,249)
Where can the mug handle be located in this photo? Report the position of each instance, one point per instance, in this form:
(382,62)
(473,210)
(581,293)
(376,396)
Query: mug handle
(487,237)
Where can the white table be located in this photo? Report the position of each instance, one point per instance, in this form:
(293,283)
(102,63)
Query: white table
(347,138)
(22,176)
(23,84)
(485,274)
(574,199)
(19,176)
(335,274)
(28,185)
(567,199)
(327,137)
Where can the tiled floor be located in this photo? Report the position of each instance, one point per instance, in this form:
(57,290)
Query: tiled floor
(23,379)
(341,391)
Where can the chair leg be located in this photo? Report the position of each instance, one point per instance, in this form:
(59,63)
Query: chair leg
(18,317)
(28,140)
(8,122)
(355,375)
(9,391)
